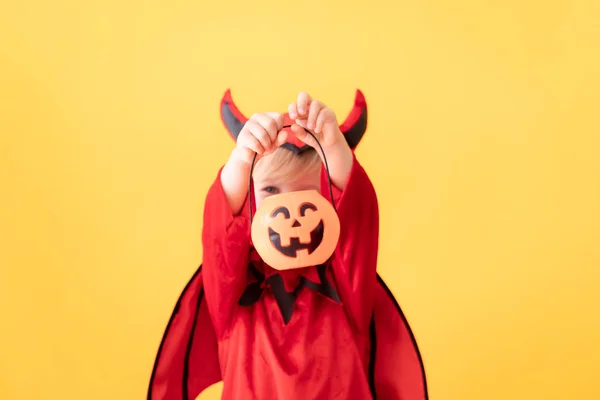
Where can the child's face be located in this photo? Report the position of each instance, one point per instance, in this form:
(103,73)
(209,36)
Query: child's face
(265,185)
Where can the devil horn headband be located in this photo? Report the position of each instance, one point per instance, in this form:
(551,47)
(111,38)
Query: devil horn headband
(353,128)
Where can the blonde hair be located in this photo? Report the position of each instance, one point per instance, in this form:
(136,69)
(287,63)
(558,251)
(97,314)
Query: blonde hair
(284,164)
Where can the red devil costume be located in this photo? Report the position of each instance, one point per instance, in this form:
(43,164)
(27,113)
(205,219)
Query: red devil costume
(331,331)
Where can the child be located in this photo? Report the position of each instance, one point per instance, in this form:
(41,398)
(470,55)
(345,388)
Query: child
(262,357)
(299,334)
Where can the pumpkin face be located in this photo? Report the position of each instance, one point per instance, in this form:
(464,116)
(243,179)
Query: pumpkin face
(295,230)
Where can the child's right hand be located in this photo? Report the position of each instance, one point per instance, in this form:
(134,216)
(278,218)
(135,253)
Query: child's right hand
(262,135)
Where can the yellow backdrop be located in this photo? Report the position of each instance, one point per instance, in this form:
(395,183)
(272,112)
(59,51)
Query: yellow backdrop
(482,144)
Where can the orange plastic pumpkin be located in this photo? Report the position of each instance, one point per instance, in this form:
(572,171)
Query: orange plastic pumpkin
(295,230)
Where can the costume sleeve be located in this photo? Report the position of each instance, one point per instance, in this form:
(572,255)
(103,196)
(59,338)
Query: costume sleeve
(226,249)
(354,262)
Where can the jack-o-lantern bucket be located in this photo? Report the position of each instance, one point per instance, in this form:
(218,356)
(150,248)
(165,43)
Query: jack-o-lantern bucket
(296,229)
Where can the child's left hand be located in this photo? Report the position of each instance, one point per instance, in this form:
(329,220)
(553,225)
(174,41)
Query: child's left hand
(319,119)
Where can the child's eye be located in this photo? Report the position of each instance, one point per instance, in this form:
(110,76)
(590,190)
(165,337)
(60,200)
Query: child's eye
(270,189)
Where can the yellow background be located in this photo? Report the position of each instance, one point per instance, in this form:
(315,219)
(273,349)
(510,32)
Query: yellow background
(482,144)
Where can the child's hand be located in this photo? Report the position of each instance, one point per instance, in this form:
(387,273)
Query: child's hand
(319,119)
(262,135)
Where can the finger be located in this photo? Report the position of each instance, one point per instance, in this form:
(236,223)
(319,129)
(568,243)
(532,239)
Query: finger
(293,111)
(278,118)
(263,135)
(281,138)
(259,132)
(315,107)
(248,141)
(268,123)
(302,122)
(302,135)
(325,115)
(303,103)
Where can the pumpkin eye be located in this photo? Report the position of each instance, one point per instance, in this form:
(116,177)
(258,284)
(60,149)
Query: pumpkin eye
(305,207)
(281,210)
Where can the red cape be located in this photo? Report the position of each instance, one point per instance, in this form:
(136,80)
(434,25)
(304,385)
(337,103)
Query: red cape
(187,361)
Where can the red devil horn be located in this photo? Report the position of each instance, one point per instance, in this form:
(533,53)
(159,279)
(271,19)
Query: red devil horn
(355,125)
(233,119)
